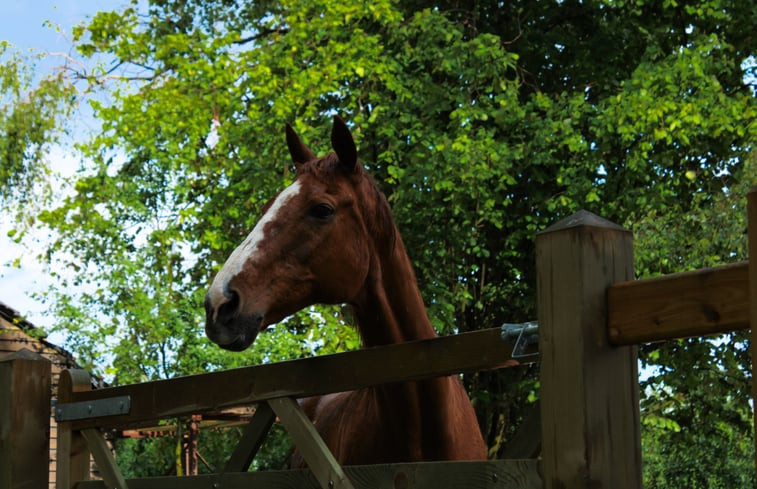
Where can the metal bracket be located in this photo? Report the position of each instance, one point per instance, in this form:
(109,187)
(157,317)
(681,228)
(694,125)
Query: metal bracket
(113,406)
(524,334)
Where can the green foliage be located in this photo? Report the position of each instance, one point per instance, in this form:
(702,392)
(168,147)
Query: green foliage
(150,457)
(696,404)
(31,113)
(161,455)
(483,123)
(696,411)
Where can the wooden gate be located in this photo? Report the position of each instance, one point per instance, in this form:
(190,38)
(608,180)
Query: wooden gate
(274,387)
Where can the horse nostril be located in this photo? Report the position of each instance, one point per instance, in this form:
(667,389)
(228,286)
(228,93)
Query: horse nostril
(229,308)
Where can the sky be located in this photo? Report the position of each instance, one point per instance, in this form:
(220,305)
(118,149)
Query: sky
(22,22)
(44,26)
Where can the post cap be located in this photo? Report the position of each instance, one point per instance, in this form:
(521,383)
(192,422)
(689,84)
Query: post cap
(23,354)
(583,218)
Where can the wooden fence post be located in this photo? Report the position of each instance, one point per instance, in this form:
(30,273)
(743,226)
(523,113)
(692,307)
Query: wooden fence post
(752,235)
(589,390)
(73,455)
(24,420)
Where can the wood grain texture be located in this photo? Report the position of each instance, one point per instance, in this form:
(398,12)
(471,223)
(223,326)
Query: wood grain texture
(252,438)
(72,458)
(24,420)
(697,303)
(14,337)
(479,350)
(589,389)
(317,455)
(492,474)
(752,234)
(106,464)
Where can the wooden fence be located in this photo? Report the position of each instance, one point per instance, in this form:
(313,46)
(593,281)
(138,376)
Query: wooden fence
(592,316)
(18,340)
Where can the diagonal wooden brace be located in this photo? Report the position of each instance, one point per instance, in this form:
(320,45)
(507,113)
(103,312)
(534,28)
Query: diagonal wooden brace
(104,459)
(252,438)
(317,455)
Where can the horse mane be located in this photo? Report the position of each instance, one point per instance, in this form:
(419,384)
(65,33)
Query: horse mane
(376,209)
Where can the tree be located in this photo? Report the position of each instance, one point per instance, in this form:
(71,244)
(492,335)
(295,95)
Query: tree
(31,113)
(482,123)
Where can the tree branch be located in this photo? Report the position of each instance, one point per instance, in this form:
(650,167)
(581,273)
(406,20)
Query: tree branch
(260,35)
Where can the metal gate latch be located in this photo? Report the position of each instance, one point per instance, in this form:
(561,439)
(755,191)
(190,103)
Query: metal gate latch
(524,334)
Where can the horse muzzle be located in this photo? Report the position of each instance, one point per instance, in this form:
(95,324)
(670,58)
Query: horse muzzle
(227,326)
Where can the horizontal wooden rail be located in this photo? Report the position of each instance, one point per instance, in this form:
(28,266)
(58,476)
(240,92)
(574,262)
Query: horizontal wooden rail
(467,352)
(697,303)
(522,474)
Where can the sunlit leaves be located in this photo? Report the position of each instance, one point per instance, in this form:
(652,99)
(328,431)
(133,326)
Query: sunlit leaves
(32,115)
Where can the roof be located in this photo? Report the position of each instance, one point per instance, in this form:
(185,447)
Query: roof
(13,317)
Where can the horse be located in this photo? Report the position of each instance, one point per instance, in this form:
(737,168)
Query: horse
(330,238)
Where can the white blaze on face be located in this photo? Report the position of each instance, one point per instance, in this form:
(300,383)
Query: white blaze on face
(248,249)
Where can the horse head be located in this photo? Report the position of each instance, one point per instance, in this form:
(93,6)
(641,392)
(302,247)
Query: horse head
(312,245)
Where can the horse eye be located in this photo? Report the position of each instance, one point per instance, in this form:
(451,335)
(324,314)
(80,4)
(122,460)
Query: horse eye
(321,211)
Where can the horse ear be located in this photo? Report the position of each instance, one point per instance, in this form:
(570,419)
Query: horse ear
(343,144)
(300,153)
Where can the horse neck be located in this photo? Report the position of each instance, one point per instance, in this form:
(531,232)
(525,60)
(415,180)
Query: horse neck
(391,308)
